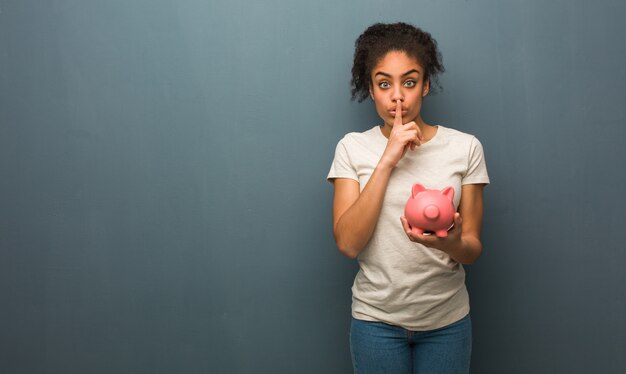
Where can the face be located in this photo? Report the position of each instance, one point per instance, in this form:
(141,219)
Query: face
(398,77)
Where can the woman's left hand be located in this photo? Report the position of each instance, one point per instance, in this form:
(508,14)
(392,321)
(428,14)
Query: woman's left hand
(446,244)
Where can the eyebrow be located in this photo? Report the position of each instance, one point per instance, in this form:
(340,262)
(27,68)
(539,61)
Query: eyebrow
(403,75)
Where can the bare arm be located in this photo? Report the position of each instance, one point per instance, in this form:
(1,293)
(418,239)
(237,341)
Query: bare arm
(355,213)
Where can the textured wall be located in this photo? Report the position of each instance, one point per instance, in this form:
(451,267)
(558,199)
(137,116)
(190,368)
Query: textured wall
(163,203)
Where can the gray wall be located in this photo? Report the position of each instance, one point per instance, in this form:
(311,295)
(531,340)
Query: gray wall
(163,203)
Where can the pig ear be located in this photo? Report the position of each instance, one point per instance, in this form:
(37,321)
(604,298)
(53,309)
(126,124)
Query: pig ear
(448,192)
(417,188)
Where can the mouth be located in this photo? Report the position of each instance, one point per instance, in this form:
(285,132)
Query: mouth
(392,112)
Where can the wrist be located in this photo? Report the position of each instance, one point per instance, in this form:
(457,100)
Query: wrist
(385,165)
(466,251)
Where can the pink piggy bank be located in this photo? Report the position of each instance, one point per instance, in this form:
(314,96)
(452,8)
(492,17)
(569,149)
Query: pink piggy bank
(430,210)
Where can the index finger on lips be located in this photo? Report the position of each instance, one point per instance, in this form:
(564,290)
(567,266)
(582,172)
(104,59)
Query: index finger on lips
(398,118)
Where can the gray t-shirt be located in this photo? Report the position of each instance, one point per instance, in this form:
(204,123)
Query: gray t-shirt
(401,282)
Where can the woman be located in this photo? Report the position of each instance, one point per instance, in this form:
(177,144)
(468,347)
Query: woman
(410,307)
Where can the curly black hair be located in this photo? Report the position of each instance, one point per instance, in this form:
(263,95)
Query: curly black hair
(381,38)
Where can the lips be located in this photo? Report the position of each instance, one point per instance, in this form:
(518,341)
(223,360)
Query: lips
(393,112)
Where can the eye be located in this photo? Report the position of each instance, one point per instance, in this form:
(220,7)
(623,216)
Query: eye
(410,83)
(384,84)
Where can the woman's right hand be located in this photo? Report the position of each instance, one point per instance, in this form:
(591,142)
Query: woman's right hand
(402,137)
(356,212)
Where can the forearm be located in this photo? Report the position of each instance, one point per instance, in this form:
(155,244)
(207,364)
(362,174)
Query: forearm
(468,250)
(356,225)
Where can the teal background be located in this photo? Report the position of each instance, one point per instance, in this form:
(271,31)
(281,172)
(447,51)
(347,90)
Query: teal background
(163,203)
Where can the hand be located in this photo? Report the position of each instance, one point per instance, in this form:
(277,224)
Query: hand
(401,138)
(446,244)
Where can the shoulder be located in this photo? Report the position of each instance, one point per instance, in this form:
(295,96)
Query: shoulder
(361,140)
(359,137)
(459,139)
(454,135)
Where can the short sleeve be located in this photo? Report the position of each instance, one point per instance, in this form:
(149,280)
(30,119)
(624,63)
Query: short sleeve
(477,167)
(341,166)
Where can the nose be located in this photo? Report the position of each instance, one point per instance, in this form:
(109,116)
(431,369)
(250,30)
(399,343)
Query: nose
(431,212)
(397,94)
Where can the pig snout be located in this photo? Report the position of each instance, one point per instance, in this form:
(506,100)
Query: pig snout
(431,212)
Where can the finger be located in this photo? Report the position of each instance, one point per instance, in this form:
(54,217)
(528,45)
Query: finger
(418,132)
(405,224)
(458,220)
(398,118)
(406,227)
(416,142)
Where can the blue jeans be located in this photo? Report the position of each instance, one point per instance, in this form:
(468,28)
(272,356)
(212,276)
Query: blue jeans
(385,349)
